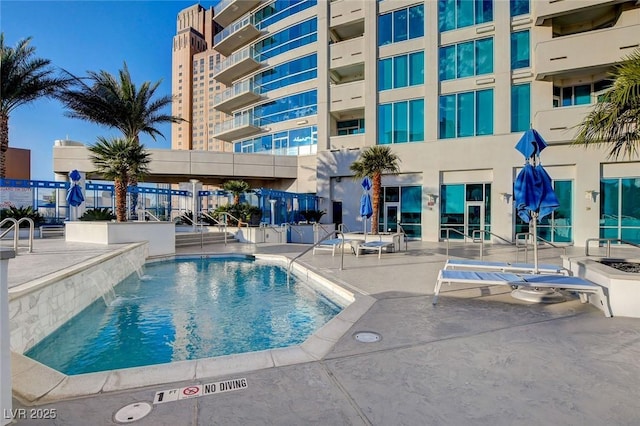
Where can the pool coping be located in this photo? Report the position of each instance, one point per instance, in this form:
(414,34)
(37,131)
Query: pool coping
(34,383)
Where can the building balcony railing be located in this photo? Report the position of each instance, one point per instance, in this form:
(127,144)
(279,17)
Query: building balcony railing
(559,124)
(240,126)
(227,11)
(547,9)
(236,66)
(347,60)
(235,36)
(346,97)
(347,141)
(239,95)
(592,51)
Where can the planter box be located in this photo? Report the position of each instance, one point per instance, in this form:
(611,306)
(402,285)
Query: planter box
(160,235)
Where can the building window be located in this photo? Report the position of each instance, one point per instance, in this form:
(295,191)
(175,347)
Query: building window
(580,95)
(401,122)
(556,227)
(466,114)
(278,10)
(620,209)
(401,71)
(350,127)
(301,141)
(286,74)
(519,7)
(466,59)
(400,25)
(520,107)
(464,209)
(283,41)
(454,14)
(520,50)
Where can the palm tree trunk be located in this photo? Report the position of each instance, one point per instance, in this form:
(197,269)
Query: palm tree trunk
(4,144)
(376,190)
(121,199)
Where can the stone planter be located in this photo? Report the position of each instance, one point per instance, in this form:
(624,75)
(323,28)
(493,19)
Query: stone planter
(160,235)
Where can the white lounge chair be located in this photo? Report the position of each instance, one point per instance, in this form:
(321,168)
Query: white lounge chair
(504,266)
(334,243)
(389,246)
(563,282)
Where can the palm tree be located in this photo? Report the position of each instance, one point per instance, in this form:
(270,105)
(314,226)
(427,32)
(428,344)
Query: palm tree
(116,102)
(120,160)
(237,188)
(24,78)
(616,120)
(374,162)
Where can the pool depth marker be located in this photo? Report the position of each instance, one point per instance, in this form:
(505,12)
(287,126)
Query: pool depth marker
(195,391)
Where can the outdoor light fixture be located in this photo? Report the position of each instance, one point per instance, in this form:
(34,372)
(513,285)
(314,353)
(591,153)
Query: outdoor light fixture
(591,195)
(505,196)
(432,198)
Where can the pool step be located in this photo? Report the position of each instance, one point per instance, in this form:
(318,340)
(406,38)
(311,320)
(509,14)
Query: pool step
(185,239)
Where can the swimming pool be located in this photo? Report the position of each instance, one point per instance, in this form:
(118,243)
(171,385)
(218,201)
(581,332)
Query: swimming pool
(187,309)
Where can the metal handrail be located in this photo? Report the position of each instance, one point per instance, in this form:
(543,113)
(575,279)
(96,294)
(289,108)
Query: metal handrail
(195,225)
(481,240)
(287,227)
(536,238)
(343,228)
(447,230)
(317,244)
(220,224)
(608,241)
(315,230)
(401,231)
(16,231)
(148,213)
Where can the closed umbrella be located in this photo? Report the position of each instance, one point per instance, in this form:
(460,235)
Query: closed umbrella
(74,195)
(366,209)
(534,196)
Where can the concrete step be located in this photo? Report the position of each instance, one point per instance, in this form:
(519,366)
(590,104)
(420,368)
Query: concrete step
(184,239)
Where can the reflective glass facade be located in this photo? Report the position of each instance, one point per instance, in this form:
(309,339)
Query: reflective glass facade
(286,108)
(558,226)
(296,71)
(520,50)
(278,10)
(519,7)
(301,141)
(466,114)
(465,208)
(620,209)
(520,107)
(466,59)
(453,14)
(401,122)
(295,36)
(400,25)
(401,71)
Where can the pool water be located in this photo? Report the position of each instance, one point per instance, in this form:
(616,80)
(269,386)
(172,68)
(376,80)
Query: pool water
(187,309)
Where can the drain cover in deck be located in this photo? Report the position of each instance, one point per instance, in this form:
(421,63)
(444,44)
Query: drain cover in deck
(367,337)
(132,412)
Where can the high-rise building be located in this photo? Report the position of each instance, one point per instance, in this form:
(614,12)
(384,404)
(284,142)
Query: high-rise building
(449,85)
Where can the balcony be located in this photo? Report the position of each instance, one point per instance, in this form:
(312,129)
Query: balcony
(236,97)
(238,34)
(347,18)
(347,97)
(558,124)
(241,126)
(227,11)
(347,141)
(584,53)
(236,66)
(548,9)
(347,60)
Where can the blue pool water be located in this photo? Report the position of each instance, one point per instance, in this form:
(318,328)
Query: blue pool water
(187,309)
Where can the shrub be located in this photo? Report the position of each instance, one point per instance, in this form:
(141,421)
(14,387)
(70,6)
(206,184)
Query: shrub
(312,215)
(18,213)
(99,214)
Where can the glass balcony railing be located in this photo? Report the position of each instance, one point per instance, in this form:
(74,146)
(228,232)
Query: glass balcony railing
(237,89)
(241,120)
(236,26)
(237,57)
(222,5)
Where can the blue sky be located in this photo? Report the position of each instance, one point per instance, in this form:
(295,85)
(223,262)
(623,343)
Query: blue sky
(81,36)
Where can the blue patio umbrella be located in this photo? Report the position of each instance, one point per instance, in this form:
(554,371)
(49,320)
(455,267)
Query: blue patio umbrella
(533,194)
(74,195)
(366,209)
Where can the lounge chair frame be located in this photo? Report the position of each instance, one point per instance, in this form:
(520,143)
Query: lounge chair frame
(529,268)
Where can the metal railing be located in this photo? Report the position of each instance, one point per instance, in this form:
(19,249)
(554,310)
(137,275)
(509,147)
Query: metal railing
(236,57)
(481,240)
(316,231)
(219,224)
(236,26)
(608,244)
(317,244)
(142,214)
(16,231)
(343,228)
(536,239)
(195,227)
(448,236)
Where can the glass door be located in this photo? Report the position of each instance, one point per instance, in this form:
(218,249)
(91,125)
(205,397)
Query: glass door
(390,218)
(474,218)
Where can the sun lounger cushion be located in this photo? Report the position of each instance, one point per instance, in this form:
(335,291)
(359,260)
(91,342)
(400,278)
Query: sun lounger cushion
(576,284)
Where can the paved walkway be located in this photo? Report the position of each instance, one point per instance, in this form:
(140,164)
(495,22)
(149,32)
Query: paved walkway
(479,357)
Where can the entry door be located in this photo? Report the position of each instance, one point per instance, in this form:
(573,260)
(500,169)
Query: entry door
(474,217)
(391,217)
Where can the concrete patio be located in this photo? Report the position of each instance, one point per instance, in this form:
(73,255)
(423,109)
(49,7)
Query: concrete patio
(479,357)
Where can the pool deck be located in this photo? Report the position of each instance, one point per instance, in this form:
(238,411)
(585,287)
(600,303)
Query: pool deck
(479,357)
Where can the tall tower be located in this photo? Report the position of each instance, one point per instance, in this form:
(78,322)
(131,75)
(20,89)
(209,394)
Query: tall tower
(193,60)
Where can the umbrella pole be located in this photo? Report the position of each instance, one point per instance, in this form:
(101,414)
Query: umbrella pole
(534,218)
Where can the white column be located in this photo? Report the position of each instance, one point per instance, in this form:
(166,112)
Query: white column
(273,211)
(195,200)
(5,350)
